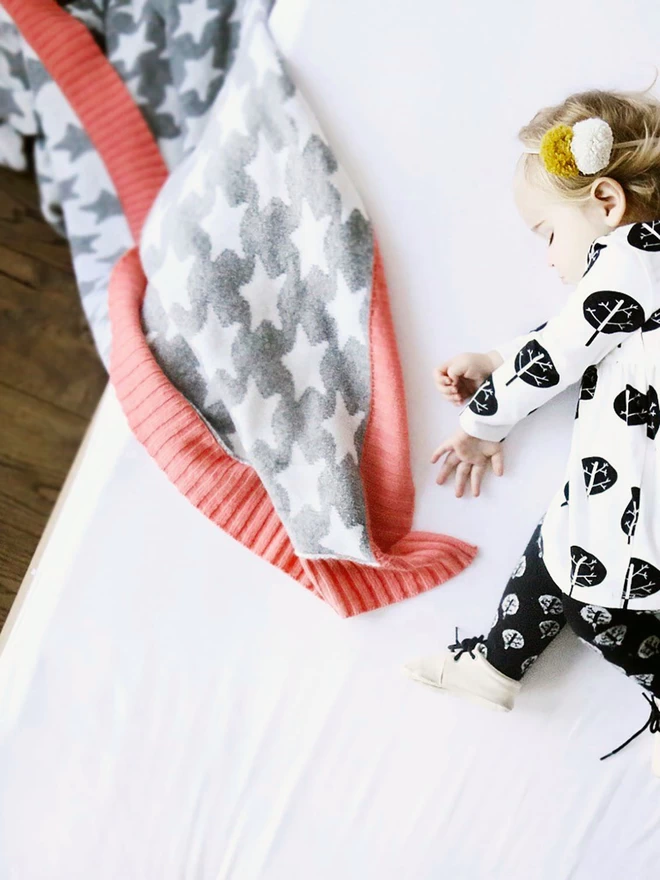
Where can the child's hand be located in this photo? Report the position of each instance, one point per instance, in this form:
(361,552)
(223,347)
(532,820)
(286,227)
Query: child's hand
(470,457)
(460,377)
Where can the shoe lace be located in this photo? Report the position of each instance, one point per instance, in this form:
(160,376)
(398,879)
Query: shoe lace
(466,646)
(653,724)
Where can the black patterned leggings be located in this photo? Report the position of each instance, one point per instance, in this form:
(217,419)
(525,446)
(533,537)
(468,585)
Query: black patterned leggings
(533,611)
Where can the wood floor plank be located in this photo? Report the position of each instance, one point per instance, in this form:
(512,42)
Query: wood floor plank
(50,375)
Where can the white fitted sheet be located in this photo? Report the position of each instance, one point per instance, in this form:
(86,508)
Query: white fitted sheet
(173,707)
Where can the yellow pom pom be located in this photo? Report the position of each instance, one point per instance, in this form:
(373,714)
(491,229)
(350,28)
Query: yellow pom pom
(555,151)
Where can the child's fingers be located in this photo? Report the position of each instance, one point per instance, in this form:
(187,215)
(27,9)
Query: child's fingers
(476,477)
(497,461)
(448,466)
(444,447)
(462,476)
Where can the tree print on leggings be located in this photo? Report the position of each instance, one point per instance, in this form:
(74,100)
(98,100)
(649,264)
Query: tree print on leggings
(642,580)
(612,637)
(513,639)
(649,647)
(586,569)
(599,475)
(631,514)
(611,312)
(595,615)
(551,604)
(535,366)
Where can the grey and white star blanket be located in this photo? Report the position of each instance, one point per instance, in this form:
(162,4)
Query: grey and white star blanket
(253,349)
(173,56)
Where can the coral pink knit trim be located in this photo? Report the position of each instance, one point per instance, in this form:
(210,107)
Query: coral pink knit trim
(225,490)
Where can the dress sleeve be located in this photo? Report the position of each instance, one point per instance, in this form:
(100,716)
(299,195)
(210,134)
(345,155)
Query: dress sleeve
(511,346)
(612,299)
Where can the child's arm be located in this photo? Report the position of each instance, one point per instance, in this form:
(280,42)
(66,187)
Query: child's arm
(611,300)
(511,346)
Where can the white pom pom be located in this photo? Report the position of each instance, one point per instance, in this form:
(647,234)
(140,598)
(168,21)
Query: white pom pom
(592,144)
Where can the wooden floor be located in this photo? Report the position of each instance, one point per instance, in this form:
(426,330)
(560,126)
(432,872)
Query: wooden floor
(50,375)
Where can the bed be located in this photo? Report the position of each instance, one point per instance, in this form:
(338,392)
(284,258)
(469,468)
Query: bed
(172,707)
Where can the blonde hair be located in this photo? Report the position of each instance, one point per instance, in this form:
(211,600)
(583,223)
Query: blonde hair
(634,117)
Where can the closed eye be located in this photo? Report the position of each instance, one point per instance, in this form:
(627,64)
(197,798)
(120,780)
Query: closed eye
(551,237)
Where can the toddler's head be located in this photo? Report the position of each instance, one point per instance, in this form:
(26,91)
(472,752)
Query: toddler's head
(570,212)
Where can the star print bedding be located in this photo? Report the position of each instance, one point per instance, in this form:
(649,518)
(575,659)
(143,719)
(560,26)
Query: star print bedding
(600,535)
(253,350)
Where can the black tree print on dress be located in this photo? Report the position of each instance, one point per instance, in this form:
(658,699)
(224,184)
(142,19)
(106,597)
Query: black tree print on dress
(631,514)
(653,322)
(594,251)
(566,491)
(652,411)
(611,312)
(484,402)
(645,236)
(586,569)
(587,386)
(599,474)
(642,580)
(631,405)
(534,366)
(588,383)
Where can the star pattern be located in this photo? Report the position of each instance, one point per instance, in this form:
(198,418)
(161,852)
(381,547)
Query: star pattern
(343,426)
(344,540)
(309,238)
(304,363)
(247,299)
(271,167)
(253,417)
(193,18)
(133,46)
(213,344)
(223,225)
(262,293)
(232,120)
(345,308)
(75,142)
(171,280)
(198,75)
(300,480)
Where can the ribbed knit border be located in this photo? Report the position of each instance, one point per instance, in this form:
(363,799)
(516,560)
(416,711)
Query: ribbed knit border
(228,492)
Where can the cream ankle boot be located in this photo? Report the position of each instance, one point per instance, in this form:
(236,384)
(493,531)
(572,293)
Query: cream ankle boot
(467,674)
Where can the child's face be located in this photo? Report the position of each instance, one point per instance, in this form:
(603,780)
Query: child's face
(569,228)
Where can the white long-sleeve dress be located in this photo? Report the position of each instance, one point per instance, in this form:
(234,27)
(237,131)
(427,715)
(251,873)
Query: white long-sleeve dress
(601,532)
